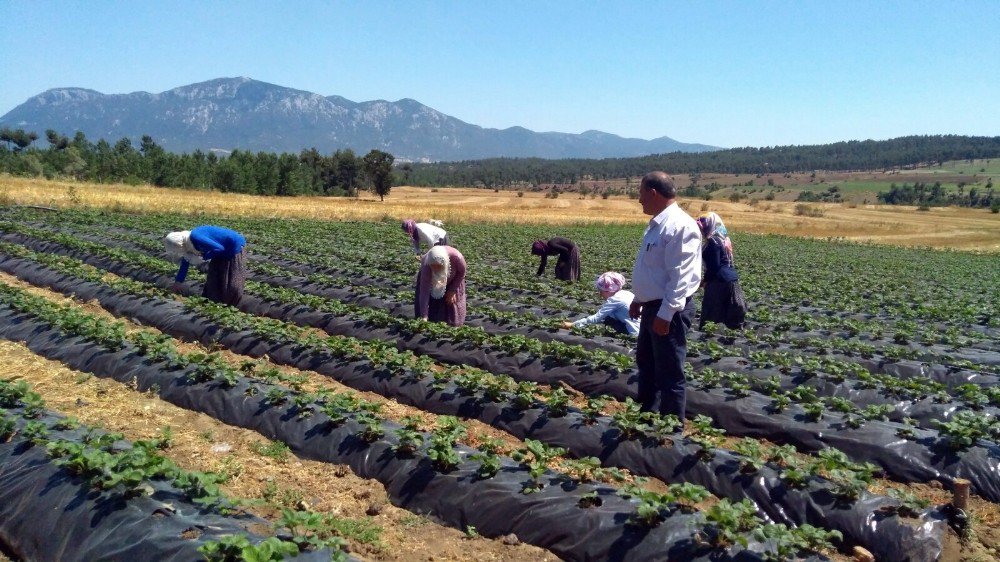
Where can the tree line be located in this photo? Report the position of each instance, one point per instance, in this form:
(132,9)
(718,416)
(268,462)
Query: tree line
(934,195)
(841,156)
(262,173)
(343,173)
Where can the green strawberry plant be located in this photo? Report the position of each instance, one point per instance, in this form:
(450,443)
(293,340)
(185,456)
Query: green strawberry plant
(536,456)
(488,457)
(409,438)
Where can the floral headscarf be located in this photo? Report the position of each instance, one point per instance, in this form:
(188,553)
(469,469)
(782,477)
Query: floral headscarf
(610,282)
(712,227)
(438,255)
(409,226)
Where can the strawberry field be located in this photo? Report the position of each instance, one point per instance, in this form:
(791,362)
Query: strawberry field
(862,389)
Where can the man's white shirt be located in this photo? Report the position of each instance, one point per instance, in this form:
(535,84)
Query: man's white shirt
(668,265)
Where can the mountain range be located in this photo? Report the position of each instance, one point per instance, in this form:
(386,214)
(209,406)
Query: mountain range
(246,114)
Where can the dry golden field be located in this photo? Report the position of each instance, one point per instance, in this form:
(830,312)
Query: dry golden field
(952,227)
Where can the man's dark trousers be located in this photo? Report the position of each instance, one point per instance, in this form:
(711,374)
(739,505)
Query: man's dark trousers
(660,360)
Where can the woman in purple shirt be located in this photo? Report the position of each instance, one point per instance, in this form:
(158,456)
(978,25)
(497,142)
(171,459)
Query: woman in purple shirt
(224,249)
(440,290)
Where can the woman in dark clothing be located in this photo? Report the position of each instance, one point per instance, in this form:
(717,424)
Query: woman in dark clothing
(224,249)
(568,266)
(723,301)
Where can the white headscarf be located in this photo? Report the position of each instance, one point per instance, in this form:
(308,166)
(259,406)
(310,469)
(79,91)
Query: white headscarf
(439,277)
(178,246)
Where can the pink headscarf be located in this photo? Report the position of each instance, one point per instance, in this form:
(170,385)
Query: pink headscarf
(539,248)
(610,282)
(409,226)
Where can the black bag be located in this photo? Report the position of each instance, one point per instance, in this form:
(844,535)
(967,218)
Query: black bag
(736,308)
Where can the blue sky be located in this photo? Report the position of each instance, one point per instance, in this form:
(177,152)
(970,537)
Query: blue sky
(723,73)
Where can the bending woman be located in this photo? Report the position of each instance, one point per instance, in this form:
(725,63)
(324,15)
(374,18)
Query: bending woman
(429,234)
(723,301)
(568,266)
(225,251)
(440,290)
(614,311)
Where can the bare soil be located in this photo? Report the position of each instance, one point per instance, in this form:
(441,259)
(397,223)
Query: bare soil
(205,444)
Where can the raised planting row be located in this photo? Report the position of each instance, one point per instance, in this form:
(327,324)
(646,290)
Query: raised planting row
(942,284)
(850,337)
(265,475)
(71,492)
(959,433)
(785,491)
(953,366)
(917,397)
(575,520)
(397,275)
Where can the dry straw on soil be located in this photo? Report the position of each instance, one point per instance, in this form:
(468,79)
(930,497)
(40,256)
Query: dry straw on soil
(953,227)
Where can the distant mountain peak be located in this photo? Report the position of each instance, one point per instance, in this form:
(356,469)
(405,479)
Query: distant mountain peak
(64,95)
(247,114)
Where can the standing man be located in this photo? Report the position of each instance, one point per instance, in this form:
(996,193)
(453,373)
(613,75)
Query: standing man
(666,276)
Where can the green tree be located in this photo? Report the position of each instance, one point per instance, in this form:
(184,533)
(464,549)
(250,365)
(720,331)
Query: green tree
(18,137)
(312,160)
(348,169)
(74,164)
(156,165)
(58,142)
(378,167)
(127,162)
